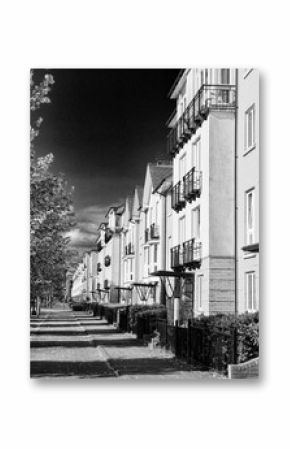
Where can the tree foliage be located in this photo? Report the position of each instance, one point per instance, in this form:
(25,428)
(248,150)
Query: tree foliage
(51,209)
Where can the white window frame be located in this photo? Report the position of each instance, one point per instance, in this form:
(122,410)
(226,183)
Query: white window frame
(198,291)
(251,303)
(194,232)
(181,223)
(250,112)
(196,154)
(250,232)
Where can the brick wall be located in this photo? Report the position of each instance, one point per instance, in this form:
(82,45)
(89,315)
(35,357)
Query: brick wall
(244,370)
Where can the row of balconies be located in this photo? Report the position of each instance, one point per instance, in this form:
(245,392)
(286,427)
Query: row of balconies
(186,190)
(218,97)
(186,255)
(151,233)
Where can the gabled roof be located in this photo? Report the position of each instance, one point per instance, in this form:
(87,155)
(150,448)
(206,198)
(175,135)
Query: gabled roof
(155,174)
(158,173)
(137,203)
(128,209)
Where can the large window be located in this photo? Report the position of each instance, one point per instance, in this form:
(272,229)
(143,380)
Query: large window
(250,128)
(182,167)
(196,151)
(250,291)
(196,223)
(250,217)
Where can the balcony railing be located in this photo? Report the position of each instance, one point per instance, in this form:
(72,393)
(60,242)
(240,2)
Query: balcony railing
(187,255)
(177,197)
(154,231)
(191,253)
(209,97)
(192,184)
(129,249)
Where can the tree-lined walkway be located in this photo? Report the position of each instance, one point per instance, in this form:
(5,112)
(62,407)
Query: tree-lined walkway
(66,344)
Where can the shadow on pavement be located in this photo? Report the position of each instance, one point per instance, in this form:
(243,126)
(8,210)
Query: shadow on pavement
(67,368)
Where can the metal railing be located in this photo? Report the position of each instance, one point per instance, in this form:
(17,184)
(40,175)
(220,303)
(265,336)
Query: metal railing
(191,252)
(129,249)
(209,97)
(177,197)
(188,254)
(154,231)
(192,184)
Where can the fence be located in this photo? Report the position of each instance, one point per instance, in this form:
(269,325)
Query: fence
(200,345)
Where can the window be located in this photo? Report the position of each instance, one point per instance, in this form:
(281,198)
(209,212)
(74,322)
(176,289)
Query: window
(182,230)
(198,291)
(155,252)
(250,217)
(250,291)
(196,147)
(225,76)
(182,167)
(250,125)
(196,223)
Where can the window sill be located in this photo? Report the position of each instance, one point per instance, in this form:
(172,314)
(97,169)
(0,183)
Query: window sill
(248,150)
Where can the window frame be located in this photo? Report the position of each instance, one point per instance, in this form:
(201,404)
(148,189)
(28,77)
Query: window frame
(250,231)
(252,308)
(250,112)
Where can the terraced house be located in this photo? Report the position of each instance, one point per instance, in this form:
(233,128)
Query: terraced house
(152,246)
(202,143)
(130,248)
(248,190)
(189,238)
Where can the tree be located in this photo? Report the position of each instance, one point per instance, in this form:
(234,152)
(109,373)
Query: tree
(51,210)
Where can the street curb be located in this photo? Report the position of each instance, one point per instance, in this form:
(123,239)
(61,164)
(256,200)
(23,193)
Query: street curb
(105,358)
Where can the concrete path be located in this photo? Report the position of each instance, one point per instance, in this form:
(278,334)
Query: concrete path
(66,344)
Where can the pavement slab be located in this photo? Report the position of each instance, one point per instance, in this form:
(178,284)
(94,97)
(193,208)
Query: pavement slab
(68,345)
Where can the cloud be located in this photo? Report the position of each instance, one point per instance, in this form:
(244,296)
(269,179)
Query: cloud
(88,220)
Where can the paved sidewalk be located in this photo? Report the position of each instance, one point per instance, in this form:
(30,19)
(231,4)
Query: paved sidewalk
(66,344)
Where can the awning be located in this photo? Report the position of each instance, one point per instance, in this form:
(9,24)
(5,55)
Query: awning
(124,288)
(168,285)
(144,289)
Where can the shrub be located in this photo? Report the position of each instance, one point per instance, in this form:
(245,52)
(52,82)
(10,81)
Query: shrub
(247,331)
(136,311)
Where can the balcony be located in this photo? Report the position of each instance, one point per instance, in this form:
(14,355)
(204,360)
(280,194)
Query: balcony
(129,249)
(187,255)
(209,97)
(192,185)
(176,257)
(191,253)
(177,197)
(154,232)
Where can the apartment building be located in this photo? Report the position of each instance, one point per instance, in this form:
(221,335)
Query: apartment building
(108,249)
(152,248)
(202,143)
(248,190)
(130,247)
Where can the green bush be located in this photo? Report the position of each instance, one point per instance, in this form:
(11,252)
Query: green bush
(247,331)
(136,311)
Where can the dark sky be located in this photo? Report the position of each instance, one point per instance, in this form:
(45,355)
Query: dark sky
(103,127)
